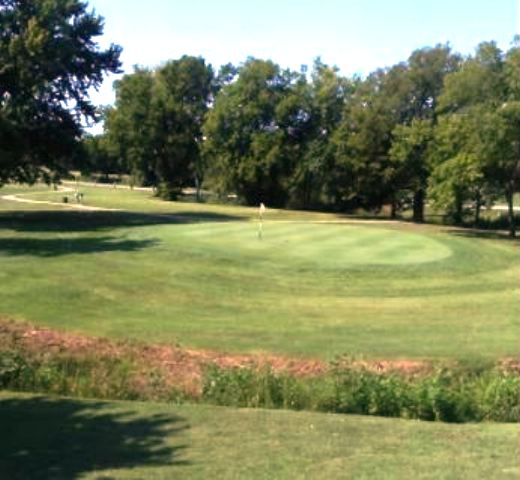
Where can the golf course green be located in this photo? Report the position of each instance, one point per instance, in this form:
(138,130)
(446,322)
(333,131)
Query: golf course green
(313,285)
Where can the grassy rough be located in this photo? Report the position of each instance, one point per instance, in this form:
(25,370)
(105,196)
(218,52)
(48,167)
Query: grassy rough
(448,393)
(56,437)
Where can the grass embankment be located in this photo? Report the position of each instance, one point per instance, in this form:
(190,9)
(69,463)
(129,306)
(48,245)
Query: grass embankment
(53,437)
(40,360)
(199,275)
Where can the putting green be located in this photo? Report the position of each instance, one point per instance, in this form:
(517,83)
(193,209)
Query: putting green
(331,245)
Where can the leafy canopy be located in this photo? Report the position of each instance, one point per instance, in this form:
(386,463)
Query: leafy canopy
(48,62)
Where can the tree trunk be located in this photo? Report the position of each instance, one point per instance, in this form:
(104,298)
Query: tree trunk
(197,186)
(393,209)
(457,217)
(307,190)
(418,206)
(511,212)
(478,205)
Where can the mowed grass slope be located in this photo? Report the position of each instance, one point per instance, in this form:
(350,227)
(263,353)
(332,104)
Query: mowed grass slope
(51,437)
(314,285)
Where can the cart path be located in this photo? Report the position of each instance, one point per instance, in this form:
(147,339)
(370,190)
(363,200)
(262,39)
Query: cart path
(182,218)
(171,216)
(74,206)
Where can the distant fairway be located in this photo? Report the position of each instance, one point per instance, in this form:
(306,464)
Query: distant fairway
(314,285)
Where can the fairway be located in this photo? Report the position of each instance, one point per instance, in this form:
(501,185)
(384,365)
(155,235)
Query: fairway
(314,285)
(69,438)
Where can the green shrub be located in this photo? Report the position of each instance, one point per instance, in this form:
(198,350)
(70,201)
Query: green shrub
(359,390)
(390,396)
(12,366)
(227,387)
(247,387)
(448,394)
(499,397)
(253,387)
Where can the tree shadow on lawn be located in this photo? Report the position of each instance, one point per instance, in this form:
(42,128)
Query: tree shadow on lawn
(55,247)
(491,234)
(79,221)
(63,438)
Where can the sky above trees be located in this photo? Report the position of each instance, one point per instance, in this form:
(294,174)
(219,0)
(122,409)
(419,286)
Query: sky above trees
(356,35)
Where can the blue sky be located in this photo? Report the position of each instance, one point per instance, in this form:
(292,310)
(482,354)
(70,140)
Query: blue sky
(356,35)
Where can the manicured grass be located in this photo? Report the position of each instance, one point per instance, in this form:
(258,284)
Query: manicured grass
(52,437)
(199,275)
(145,202)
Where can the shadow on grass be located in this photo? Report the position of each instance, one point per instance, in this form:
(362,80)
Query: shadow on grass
(54,221)
(492,235)
(54,247)
(62,438)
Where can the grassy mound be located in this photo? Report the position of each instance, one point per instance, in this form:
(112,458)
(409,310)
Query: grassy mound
(41,360)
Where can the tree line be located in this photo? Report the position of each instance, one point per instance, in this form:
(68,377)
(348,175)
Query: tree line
(438,128)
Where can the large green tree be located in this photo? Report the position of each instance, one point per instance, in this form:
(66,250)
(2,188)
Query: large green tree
(411,149)
(49,60)
(502,166)
(426,70)
(245,139)
(367,176)
(458,157)
(156,124)
(375,161)
(316,179)
(98,156)
(128,128)
(487,90)
(181,94)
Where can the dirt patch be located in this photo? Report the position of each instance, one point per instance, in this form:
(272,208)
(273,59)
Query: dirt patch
(511,365)
(181,367)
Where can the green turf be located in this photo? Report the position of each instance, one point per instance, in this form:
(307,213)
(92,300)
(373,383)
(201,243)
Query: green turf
(143,201)
(200,276)
(50,437)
